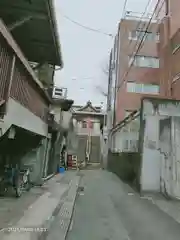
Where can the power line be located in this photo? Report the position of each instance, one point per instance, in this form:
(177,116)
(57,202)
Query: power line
(137,26)
(140,21)
(157,14)
(148,26)
(139,47)
(86,27)
(158,22)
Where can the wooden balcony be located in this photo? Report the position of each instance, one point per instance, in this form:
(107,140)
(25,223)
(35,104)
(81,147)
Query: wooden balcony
(23,101)
(17,79)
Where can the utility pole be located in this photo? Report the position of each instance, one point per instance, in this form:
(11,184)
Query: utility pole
(109,95)
(107,123)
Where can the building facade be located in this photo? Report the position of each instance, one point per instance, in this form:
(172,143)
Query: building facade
(89,121)
(168,48)
(29,134)
(136,74)
(152,133)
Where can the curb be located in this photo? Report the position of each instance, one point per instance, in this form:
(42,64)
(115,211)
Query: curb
(64,214)
(40,231)
(48,177)
(72,212)
(48,223)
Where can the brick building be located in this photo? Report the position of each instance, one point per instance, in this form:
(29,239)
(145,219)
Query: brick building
(168,48)
(143,77)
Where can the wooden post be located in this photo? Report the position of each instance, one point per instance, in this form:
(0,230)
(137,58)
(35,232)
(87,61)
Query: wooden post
(9,83)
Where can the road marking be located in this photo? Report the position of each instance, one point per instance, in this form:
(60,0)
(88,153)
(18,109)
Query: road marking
(130,194)
(71,225)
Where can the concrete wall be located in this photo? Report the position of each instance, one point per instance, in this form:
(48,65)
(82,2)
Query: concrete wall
(160,146)
(35,159)
(95,149)
(165,147)
(81,150)
(57,113)
(72,140)
(22,117)
(62,117)
(150,175)
(175,140)
(66,118)
(125,166)
(47,158)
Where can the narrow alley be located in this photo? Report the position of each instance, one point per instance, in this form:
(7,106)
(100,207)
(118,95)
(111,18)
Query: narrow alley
(109,209)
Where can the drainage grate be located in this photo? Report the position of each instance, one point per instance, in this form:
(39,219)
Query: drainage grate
(80,189)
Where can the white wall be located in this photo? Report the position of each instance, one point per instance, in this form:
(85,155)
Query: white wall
(62,117)
(160,152)
(126,138)
(57,113)
(95,131)
(174,172)
(66,118)
(150,171)
(22,117)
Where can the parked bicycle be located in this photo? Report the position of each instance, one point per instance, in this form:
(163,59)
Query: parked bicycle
(16,179)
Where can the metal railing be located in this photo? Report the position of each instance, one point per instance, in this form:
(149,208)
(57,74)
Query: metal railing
(136,16)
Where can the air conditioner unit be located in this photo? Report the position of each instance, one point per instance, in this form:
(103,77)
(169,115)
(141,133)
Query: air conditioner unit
(59,93)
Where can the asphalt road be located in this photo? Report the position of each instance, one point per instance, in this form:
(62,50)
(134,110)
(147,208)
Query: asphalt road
(107,209)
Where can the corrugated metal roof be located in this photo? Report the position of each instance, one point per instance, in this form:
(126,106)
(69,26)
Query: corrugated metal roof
(37,36)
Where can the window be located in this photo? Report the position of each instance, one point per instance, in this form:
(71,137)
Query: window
(133,35)
(151,36)
(84,124)
(140,34)
(158,37)
(144,61)
(142,88)
(91,125)
(87,124)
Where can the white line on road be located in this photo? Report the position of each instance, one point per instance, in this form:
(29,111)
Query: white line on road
(71,225)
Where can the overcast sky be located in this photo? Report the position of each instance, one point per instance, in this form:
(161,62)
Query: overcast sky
(85,53)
